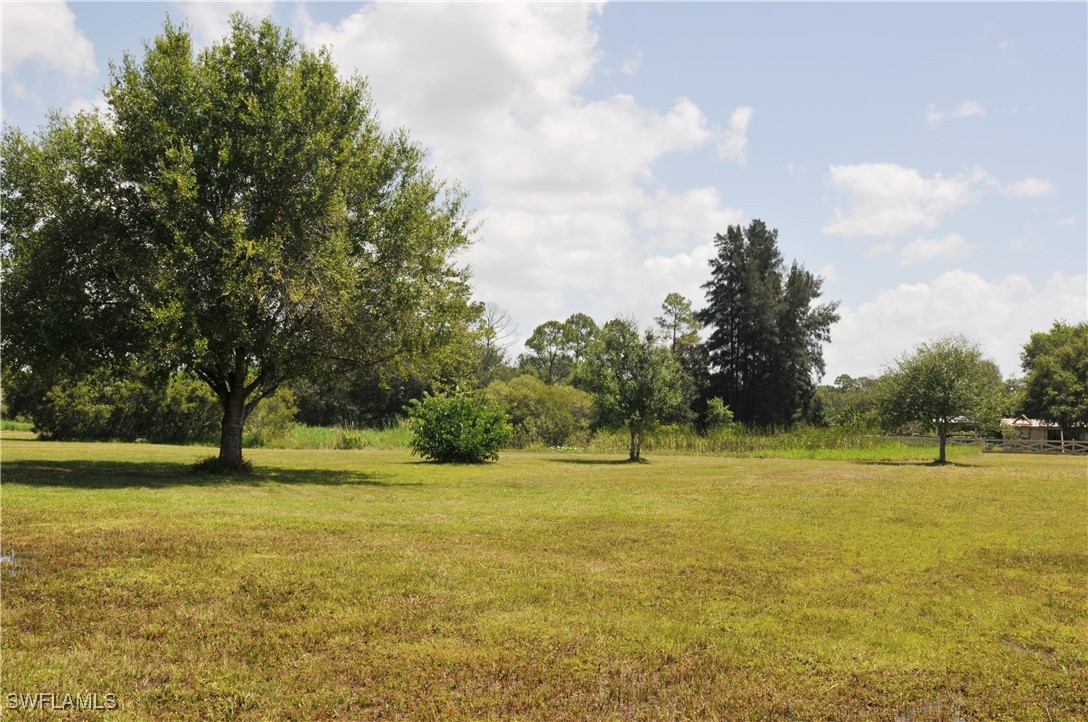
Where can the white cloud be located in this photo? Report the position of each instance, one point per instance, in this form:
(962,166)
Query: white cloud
(676,220)
(45,33)
(828,272)
(967,109)
(560,182)
(211,20)
(88,104)
(734,142)
(934,116)
(796,171)
(1068,222)
(923,250)
(1030,187)
(632,64)
(880,249)
(889,200)
(683,273)
(1000,314)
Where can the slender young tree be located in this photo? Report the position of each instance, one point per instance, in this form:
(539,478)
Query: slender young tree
(636,380)
(579,331)
(677,321)
(550,349)
(241,216)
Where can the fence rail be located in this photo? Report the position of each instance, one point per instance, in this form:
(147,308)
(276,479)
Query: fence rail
(1049,447)
(1027,445)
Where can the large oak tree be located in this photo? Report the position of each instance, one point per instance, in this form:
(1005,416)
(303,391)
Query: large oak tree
(237,212)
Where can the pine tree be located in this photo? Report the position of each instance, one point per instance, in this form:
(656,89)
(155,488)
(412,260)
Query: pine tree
(766,340)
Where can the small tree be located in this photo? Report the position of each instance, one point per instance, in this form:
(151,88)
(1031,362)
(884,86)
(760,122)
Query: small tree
(458,427)
(1056,382)
(943,382)
(636,379)
(677,321)
(550,349)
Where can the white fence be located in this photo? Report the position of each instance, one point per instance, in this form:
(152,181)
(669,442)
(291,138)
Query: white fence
(1022,445)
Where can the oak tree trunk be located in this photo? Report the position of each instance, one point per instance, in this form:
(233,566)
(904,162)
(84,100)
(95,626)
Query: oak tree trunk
(636,443)
(234,416)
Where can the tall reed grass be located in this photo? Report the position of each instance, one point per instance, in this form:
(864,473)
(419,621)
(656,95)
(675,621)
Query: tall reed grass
(299,436)
(810,442)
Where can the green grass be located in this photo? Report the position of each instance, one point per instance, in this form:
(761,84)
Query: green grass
(369,585)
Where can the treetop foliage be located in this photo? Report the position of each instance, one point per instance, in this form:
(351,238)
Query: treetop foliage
(1055,364)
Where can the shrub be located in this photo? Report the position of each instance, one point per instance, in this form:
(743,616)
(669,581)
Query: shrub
(271,420)
(552,415)
(131,405)
(459,427)
(189,412)
(718,414)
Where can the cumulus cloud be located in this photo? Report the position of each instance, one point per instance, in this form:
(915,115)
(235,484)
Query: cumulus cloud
(675,219)
(924,250)
(1001,314)
(734,141)
(1030,187)
(890,200)
(211,20)
(559,181)
(967,109)
(46,33)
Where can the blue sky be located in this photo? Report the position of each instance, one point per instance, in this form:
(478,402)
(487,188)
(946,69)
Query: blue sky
(930,160)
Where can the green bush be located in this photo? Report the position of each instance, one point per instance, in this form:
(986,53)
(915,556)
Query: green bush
(718,414)
(129,406)
(459,427)
(543,414)
(272,420)
(189,412)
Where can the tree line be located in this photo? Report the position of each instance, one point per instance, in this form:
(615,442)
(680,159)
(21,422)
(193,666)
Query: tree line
(237,240)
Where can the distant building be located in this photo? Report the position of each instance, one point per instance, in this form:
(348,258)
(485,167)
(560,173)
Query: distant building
(1039,430)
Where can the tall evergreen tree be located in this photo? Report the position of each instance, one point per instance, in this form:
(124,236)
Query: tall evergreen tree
(766,340)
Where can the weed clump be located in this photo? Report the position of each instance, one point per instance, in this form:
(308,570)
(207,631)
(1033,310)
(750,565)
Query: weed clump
(214,466)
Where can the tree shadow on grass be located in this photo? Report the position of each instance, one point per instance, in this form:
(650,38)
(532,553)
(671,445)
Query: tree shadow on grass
(82,474)
(914,462)
(600,462)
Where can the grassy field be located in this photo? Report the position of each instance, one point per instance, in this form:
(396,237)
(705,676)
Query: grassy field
(363,585)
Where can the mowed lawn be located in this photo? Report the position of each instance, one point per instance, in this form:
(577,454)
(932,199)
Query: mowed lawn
(369,585)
